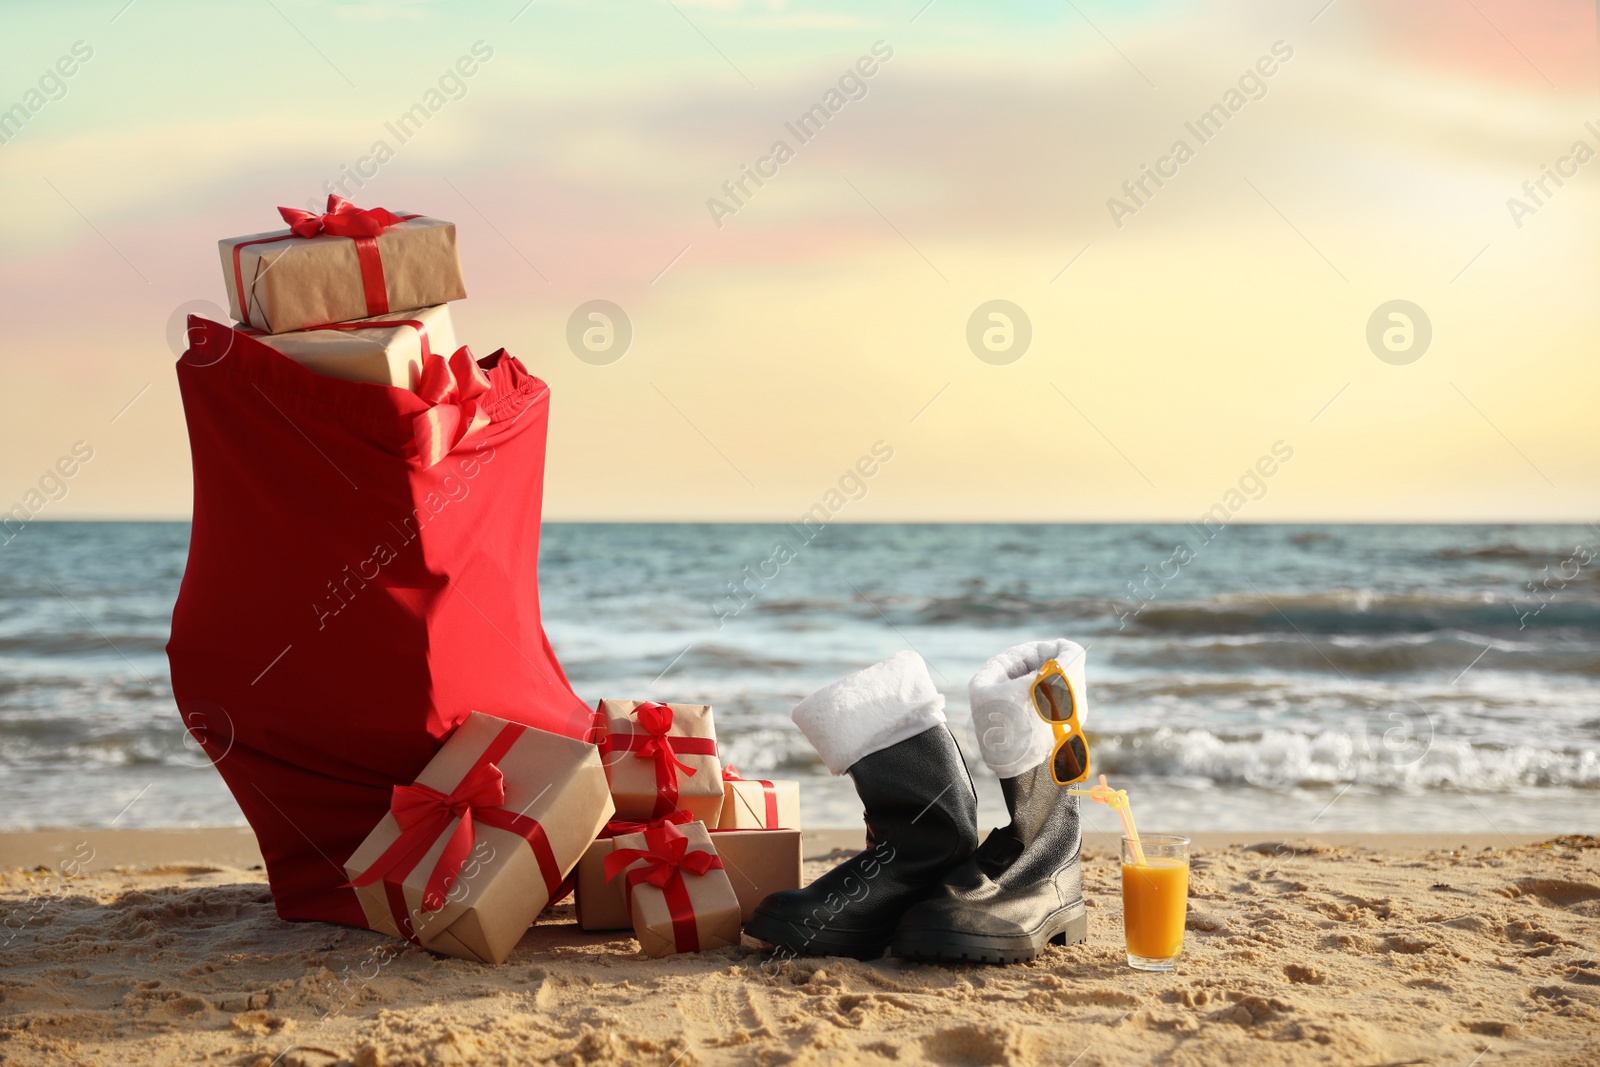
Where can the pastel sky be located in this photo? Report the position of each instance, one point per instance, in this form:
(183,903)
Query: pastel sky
(1172,346)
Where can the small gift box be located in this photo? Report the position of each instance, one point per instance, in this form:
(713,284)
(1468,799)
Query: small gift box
(470,853)
(348,263)
(385,350)
(602,904)
(660,758)
(678,893)
(757,862)
(757,804)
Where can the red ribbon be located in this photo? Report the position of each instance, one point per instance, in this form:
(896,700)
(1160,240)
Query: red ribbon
(531,831)
(424,813)
(654,743)
(666,857)
(342,219)
(453,389)
(730,773)
(452,386)
(618,827)
(395,897)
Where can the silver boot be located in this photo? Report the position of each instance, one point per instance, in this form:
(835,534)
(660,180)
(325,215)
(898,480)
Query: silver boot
(1022,888)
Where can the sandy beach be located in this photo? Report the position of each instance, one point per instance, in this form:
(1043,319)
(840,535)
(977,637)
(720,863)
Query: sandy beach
(1339,949)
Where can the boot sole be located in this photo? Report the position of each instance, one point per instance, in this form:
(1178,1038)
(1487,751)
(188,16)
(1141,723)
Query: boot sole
(1068,927)
(802,942)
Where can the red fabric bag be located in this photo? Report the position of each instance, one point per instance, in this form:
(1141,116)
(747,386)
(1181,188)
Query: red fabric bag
(363,572)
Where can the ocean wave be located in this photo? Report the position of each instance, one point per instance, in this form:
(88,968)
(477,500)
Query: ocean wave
(769,753)
(1337,611)
(76,642)
(1500,550)
(1449,652)
(153,745)
(1357,611)
(713,656)
(1279,759)
(1005,607)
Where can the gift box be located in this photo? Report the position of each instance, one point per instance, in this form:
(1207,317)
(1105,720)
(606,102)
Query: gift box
(660,758)
(385,349)
(757,804)
(757,862)
(602,904)
(679,894)
(345,264)
(470,853)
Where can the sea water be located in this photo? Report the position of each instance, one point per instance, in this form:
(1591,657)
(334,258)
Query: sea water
(1292,678)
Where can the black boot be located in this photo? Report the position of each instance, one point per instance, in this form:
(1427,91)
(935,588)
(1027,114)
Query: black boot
(922,821)
(1021,889)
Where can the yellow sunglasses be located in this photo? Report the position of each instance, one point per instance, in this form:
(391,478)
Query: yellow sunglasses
(1057,704)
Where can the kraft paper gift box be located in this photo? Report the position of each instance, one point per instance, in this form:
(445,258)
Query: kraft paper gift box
(757,862)
(757,804)
(602,904)
(679,894)
(470,885)
(660,758)
(353,264)
(385,350)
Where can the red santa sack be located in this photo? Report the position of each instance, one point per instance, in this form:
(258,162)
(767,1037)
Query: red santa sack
(363,572)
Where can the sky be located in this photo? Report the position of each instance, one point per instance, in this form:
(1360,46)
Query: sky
(1180,335)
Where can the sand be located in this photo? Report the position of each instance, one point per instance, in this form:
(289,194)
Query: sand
(1334,950)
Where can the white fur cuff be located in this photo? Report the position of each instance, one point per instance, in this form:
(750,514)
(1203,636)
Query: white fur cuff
(870,710)
(1011,735)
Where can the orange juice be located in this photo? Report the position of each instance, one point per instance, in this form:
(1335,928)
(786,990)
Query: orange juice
(1154,900)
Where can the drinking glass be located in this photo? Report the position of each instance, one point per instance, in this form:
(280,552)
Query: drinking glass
(1155,899)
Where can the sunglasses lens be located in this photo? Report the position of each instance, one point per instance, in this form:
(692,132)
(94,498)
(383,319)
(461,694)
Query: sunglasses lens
(1053,698)
(1071,760)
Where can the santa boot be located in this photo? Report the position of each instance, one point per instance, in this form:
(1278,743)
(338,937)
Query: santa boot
(1023,887)
(885,727)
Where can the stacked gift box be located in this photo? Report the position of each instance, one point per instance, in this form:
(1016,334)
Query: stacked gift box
(655,834)
(360,294)
(668,786)
(641,818)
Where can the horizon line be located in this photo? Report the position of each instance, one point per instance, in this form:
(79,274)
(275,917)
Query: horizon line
(63,521)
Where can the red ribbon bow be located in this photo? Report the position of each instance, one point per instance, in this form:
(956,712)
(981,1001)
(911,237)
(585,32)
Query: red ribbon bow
(423,812)
(342,219)
(666,857)
(656,719)
(452,388)
(769,792)
(657,722)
